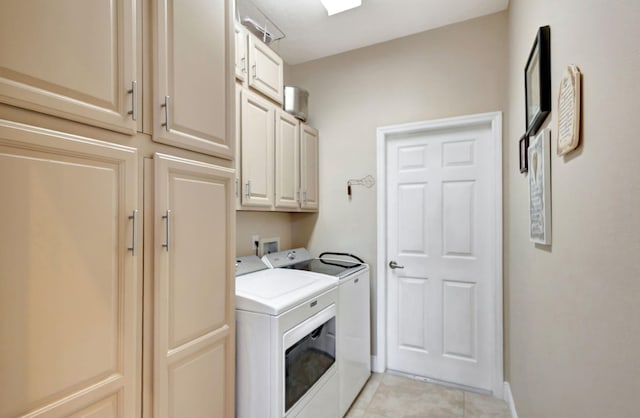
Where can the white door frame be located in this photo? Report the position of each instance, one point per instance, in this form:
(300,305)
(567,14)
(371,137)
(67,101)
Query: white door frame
(492,119)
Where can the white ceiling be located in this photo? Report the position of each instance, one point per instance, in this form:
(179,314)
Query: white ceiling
(311,34)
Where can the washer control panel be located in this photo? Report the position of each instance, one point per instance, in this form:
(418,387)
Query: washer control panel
(287,257)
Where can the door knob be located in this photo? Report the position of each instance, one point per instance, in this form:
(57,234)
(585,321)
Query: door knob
(395,265)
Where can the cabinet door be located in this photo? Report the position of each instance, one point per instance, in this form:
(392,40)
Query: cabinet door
(71,58)
(238,147)
(309,176)
(194,287)
(241,52)
(258,116)
(265,69)
(194,76)
(68,281)
(287,181)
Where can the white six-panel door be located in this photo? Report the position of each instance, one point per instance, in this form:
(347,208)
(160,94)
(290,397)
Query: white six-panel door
(441,205)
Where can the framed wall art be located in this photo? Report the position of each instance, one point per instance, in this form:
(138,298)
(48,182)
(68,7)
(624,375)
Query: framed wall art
(540,188)
(569,110)
(524,145)
(537,81)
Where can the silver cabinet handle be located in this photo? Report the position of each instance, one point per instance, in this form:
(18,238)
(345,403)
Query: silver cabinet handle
(167,114)
(255,72)
(134,100)
(304,196)
(298,196)
(168,218)
(134,238)
(248,187)
(395,265)
(237,187)
(243,62)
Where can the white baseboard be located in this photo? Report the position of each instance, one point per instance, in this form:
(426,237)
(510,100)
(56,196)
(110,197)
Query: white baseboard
(508,397)
(375,366)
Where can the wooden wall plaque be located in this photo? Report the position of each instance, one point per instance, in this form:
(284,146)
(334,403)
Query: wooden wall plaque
(569,109)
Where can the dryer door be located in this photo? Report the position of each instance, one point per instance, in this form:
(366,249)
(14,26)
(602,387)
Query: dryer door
(310,351)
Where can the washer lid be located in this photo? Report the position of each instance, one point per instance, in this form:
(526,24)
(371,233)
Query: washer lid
(330,267)
(275,291)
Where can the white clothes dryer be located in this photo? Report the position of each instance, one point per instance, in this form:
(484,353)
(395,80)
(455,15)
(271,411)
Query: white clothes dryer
(285,343)
(353,313)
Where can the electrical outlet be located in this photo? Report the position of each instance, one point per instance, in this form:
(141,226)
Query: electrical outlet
(255,241)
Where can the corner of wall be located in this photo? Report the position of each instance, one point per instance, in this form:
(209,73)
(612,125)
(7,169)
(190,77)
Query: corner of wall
(508,397)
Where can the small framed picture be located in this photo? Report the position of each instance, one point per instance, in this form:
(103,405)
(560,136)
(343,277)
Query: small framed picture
(540,188)
(524,146)
(537,82)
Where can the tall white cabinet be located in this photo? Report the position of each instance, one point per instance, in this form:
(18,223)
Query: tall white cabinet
(117,293)
(69,275)
(194,316)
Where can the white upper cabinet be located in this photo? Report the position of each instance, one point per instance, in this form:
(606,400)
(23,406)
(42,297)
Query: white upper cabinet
(71,58)
(277,158)
(193,73)
(266,70)
(287,166)
(242,64)
(309,175)
(258,116)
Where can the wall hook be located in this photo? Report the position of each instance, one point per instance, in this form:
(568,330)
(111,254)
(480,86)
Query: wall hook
(367,182)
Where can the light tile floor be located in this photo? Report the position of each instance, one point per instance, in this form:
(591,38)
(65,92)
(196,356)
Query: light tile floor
(390,396)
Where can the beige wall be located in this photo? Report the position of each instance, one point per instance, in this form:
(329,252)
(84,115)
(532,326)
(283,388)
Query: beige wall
(263,224)
(573,308)
(456,70)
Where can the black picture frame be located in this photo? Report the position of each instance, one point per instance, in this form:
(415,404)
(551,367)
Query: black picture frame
(537,81)
(524,151)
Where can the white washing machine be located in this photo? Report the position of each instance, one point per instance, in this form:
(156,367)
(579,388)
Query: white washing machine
(286,343)
(353,313)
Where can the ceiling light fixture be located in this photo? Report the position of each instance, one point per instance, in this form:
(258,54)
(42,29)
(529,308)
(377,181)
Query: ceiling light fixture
(337,6)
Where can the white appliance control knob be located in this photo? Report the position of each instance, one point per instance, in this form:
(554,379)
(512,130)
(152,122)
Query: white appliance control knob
(291,255)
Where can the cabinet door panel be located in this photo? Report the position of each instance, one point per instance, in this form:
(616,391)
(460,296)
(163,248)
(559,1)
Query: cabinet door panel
(266,70)
(258,117)
(287,166)
(68,282)
(309,177)
(194,75)
(241,52)
(79,63)
(194,320)
(238,138)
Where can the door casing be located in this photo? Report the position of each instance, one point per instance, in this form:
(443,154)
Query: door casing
(494,120)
